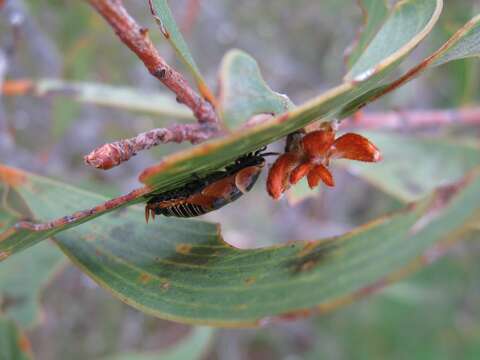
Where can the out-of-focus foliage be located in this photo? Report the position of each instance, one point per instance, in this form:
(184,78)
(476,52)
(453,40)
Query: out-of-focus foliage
(414,166)
(13,344)
(193,346)
(23,277)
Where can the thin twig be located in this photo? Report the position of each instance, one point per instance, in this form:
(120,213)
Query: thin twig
(192,9)
(414,119)
(400,119)
(137,39)
(110,155)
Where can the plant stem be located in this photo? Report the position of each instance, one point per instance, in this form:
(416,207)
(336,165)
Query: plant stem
(137,40)
(413,119)
(192,8)
(110,155)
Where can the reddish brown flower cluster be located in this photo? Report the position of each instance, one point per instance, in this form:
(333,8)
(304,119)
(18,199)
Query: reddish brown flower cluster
(311,158)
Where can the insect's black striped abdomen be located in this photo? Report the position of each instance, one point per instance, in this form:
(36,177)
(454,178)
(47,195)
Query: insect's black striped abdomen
(213,191)
(183,210)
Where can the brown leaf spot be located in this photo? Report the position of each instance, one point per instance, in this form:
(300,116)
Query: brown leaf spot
(295,315)
(289,316)
(307,266)
(145,278)
(12,176)
(24,344)
(241,307)
(4,255)
(183,249)
(312,254)
(250,280)
(309,246)
(8,301)
(165,286)
(442,198)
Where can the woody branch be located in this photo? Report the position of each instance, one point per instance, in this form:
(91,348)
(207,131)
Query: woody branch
(398,119)
(136,38)
(413,119)
(113,154)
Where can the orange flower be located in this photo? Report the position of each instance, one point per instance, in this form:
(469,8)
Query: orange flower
(312,158)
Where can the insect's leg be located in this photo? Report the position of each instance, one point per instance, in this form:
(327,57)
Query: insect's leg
(147,213)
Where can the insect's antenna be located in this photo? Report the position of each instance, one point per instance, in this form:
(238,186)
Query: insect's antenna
(270,154)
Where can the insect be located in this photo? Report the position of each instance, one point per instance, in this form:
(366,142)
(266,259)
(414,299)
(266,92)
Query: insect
(211,192)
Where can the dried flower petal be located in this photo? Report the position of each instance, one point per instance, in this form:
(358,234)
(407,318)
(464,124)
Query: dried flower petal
(320,172)
(278,176)
(300,172)
(317,143)
(354,147)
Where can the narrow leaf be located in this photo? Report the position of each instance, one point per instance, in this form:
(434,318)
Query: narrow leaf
(182,270)
(192,347)
(465,43)
(200,279)
(408,21)
(168,26)
(23,277)
(100,94)
(14,345)
(374,13)
(18,188)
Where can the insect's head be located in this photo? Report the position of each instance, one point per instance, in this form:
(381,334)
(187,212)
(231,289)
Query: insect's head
(255,159)
(258,157)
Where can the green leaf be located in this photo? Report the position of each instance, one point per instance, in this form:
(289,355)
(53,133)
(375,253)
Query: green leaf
(168,26)
(192,347)
(64,114)
(408,21)
(465,43)
(203,280)
(22,279)
(414,166)
(112,96)
(13,344)
(244,93)
(26,196)
(374,13)
(182,270)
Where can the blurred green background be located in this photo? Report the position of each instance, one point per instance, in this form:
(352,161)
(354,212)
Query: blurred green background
(299,45)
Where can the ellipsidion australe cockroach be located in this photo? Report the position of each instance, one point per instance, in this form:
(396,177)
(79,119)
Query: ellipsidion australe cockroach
(211,192)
